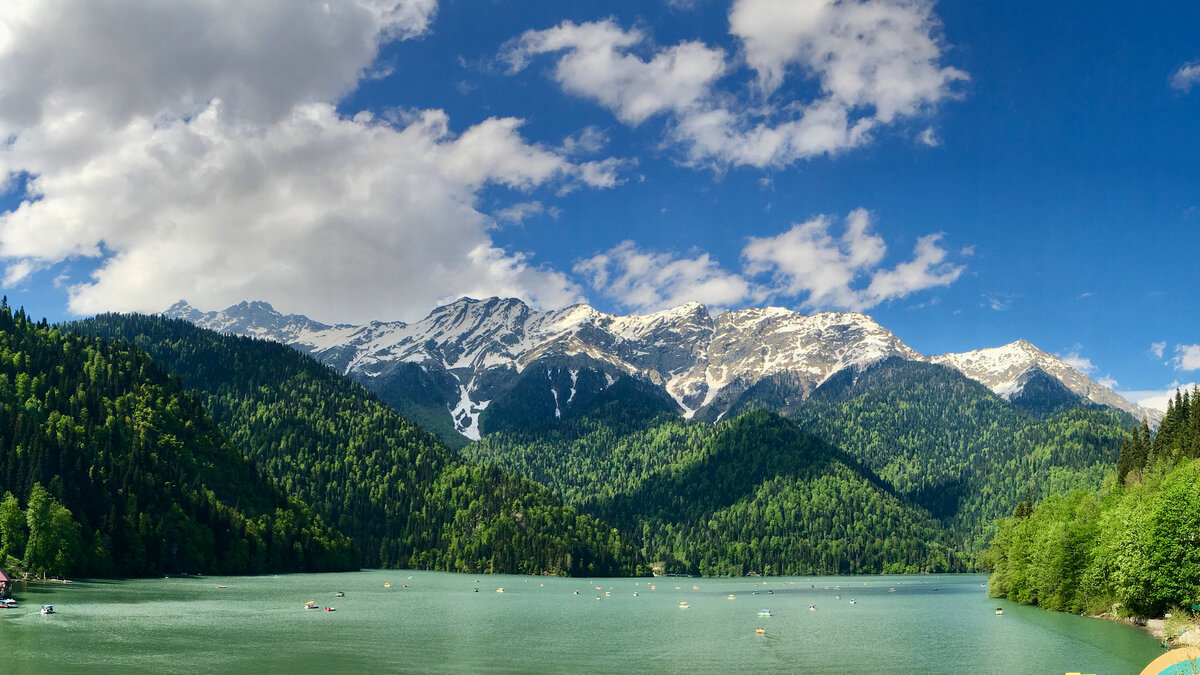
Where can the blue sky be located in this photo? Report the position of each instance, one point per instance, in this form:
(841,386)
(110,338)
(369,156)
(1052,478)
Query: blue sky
(967,173)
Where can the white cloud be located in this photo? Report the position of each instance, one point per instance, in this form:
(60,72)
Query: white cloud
(806,260)
(998,302)
(1156,348)
(597,65)
(195,149)
(874,62)
(1107,381)
(1187,75)
(649,281)
(1156,399)
(806,264)
(517,213)
(1187,357)
(1082,364)
(929,137)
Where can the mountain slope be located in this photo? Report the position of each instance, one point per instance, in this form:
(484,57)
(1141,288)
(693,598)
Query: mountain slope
(750,494)
(406,499)
(952,446)
(1009,370)
(122,473)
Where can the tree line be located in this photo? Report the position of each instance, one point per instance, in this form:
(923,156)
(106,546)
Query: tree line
(1130,548)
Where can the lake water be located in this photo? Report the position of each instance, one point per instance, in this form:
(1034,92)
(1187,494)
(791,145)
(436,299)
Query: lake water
(439,623)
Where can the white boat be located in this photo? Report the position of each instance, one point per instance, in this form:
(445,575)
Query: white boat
(8,603)
(47,609)
(764,612)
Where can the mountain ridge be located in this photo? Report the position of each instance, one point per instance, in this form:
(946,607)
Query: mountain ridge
(476,349)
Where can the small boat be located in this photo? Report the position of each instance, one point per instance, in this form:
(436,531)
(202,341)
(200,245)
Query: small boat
(683,605)
(999,611)
(759,631)
(387,584)
(812,608)
(853,601)
(837,597)
(499,590)
(576,592)
(311,604)
(220,586)
(770,592)
(731,596)
(330,609)
(47,609)
(339,594)
(635,594)
(8,603)
(764,612)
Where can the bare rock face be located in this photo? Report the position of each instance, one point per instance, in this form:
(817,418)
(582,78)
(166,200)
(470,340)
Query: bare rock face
(470,352)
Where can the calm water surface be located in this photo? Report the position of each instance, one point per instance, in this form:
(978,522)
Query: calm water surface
(438,623)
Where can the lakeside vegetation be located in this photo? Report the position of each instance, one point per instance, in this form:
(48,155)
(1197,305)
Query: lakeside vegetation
(108,468)
(1131,548)
(403,497)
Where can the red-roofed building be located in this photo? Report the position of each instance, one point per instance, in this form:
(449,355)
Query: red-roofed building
(5,584)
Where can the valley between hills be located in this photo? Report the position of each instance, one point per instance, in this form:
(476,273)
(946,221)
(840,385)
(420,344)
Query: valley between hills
(492,438)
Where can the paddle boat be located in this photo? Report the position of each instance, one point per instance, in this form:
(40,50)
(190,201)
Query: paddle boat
(759,631)
(311,604)
(853,601)
(683,605)
(812,608)
(999,611)
(339,594)
(387,584)
(8,603)
(764,612)
(47,609)
(330,609)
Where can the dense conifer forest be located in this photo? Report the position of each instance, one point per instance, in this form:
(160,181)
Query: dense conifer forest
(1130,548)
(107,467)
(404,498)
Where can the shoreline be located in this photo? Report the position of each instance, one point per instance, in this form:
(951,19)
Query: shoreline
(1190,636)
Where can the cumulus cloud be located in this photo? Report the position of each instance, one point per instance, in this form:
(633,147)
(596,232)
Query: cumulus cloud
(598,65)
(806,265)
(1187,76)
(195,150)
(828,272)
(1187,357)
(874,62)
(649,281)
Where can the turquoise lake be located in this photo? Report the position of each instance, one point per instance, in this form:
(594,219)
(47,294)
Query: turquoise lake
(432,622)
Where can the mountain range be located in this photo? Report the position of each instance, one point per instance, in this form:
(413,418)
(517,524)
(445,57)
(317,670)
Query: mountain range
(447,369)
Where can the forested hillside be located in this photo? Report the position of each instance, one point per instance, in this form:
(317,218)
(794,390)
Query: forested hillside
(952,446)
(750,494)
(108,468)
(404,498)
(1131,548)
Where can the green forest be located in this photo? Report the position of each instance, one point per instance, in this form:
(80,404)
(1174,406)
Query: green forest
(1129,548)
(403,497)
(870,463)
(107,467)
(751,494)
(950,445)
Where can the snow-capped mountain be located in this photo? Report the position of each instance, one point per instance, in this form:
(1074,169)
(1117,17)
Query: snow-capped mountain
(1008,370)
(469,352)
